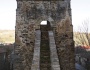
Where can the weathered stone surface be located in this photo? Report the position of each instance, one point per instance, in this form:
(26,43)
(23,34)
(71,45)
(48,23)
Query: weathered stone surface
(65,43)
(29,15)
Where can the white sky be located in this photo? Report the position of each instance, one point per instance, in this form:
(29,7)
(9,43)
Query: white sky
(7,14)
(80,12)
(43,23)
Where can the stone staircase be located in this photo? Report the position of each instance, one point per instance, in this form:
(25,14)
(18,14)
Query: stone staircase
(45,63)
(45,53)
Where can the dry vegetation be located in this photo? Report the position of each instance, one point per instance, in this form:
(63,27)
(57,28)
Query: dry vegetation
(7,36)
(81,39)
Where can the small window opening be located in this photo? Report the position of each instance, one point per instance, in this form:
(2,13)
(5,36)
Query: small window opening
(45,26)
(43,23)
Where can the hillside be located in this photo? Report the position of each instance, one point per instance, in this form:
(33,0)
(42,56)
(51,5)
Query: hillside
(7,36)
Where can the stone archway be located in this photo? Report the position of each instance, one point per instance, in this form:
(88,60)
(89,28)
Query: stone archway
(45,25)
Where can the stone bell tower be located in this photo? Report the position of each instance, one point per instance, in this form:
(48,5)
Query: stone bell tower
(29,15)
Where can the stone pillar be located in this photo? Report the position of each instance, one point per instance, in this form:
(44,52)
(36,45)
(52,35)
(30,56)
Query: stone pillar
(65,44)
(25,45)
(25,37)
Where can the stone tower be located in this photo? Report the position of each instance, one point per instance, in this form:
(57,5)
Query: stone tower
(29,15)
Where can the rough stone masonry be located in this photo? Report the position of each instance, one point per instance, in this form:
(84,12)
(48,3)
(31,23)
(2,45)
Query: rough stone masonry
(29,15)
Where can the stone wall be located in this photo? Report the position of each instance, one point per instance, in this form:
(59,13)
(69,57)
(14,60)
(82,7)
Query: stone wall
(65,44)
(29,15)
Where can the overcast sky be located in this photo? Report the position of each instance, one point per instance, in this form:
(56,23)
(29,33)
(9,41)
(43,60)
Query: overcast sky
(80,13)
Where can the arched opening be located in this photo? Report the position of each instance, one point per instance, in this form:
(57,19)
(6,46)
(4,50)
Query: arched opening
(45,26)
(43,23)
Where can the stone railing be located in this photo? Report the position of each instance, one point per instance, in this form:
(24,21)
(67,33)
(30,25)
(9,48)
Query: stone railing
(36,56)
(53,53)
